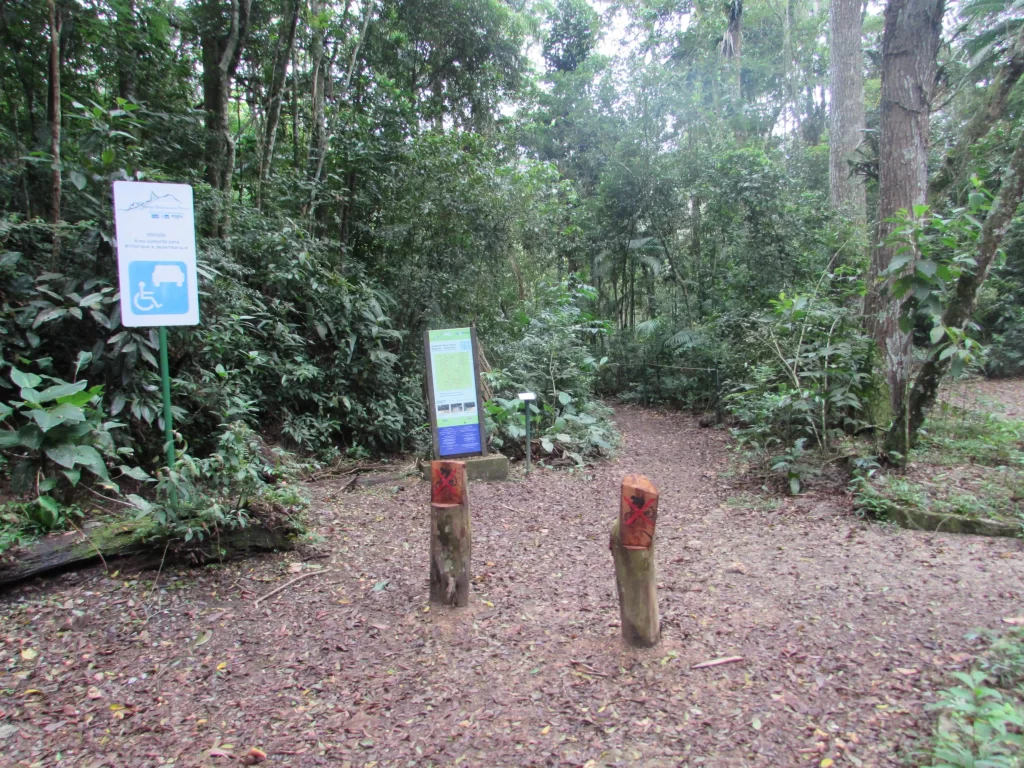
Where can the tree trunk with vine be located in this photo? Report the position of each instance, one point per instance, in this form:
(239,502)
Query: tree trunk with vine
(910,43)
(908,422)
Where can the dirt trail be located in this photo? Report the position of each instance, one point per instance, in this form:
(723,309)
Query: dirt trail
(842,625)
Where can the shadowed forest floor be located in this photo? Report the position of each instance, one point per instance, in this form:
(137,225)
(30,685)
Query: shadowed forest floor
(844,626)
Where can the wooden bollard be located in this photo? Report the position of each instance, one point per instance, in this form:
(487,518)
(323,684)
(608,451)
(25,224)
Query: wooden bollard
(450,533)
(632,546)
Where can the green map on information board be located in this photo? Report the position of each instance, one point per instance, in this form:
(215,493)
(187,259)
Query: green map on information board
(453,370)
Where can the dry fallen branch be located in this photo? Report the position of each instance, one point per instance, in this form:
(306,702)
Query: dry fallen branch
(284,586)
(587,669)
(717,662)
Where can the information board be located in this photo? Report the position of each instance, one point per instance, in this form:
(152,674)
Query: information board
(455,407)
(156,253)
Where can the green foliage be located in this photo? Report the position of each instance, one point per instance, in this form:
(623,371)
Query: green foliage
(981,721)
(810,392)
(939,247)
(21,521)
(220,491)
(1001,309)
(53,433)
(550,356)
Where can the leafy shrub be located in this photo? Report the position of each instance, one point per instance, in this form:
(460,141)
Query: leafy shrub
(550,356)
(981,721)
(219,491)
(656,362)
(286,341)
(54,433)
(810,392)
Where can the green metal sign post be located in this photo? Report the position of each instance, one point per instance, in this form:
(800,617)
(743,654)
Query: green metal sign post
(527,398)
(165,383)
(157,274)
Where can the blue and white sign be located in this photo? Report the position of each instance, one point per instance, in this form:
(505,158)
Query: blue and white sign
(156,253)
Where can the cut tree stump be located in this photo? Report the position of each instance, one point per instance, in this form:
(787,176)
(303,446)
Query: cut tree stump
(128,540)
(632,546)
(450,533)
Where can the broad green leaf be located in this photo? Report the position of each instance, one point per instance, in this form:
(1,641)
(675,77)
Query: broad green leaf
(62,414)
(938,334)
(30,395)
(63,455)
(139,503)
(90,458)
(45,419)
(30,436)
(898,262)
(62,390)
(22,379)
(49,504)
(73,475)
(49,314)
(136,473)
(78,399)
(78,179)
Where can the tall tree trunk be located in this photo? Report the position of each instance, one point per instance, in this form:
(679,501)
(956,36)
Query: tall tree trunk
(910,43)
(55,119)
(846,107)
(695,252)
(732,43)
(222,50)
(296,141)
(328,132)
(127,54)
(318,61)
(285,42)
(903,432)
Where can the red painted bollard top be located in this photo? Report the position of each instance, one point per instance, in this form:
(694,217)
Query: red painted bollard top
(638,512)
(447,482)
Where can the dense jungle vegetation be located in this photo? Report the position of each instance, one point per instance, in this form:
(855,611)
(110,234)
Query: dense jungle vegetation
(799,213)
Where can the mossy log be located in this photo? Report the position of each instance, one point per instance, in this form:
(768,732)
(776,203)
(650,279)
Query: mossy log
(937,522)
(132,541)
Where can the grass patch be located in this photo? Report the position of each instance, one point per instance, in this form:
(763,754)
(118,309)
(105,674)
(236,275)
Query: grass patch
(955,436)
(981,720)
(967,464)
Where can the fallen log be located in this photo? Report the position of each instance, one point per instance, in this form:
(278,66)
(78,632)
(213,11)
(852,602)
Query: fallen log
(133,546)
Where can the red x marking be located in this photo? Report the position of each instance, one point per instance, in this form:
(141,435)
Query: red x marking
(449,481)
(639,512)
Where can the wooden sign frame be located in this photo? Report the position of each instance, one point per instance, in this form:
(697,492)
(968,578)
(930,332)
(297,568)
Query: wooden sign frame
(432,402)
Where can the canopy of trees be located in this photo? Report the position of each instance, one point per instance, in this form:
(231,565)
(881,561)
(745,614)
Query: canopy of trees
(770,189)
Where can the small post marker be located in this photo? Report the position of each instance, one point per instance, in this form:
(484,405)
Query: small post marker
(450,533)
(527,398)
(632,547)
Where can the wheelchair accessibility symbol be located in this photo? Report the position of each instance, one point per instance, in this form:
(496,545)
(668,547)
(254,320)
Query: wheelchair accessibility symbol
(158,287)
